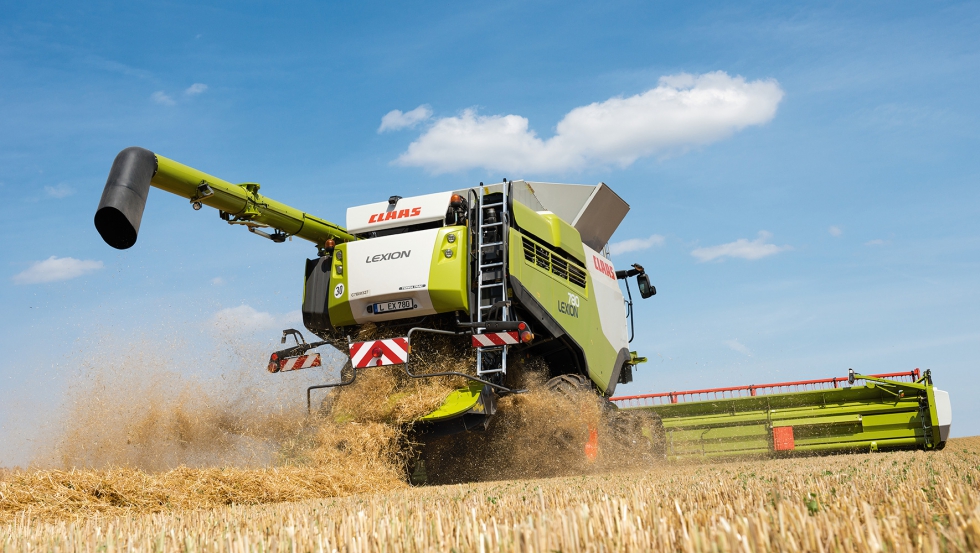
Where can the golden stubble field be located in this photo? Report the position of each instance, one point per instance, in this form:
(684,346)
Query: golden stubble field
(902,501)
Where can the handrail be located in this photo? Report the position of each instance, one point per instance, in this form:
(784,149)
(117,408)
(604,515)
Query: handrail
(748,391)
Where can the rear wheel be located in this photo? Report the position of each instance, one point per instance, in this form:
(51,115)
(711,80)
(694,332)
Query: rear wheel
(567,384)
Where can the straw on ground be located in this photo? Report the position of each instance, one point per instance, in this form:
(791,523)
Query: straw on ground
(903,501)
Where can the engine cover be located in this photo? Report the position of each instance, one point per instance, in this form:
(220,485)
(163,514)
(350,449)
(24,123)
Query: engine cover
(399,276)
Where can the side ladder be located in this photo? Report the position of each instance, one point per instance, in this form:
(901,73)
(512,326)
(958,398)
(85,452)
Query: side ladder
(493,222)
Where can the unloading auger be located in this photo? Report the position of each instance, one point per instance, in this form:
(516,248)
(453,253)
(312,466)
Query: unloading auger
(513,271)
(135,169)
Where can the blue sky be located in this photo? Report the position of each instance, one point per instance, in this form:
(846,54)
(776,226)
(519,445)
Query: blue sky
(855,200)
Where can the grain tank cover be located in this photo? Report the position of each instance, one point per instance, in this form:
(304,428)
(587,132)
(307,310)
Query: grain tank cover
(594,210)
(401,212)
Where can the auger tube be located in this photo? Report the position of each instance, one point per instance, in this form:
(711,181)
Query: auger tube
(124,197)
(135,169)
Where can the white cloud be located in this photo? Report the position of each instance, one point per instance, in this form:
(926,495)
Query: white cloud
(217,281)
(246,318)
(875,242)
(682,112)
(636,244)
(54,269)
(742,248)
(59,191)
(162,98)
(195,89)
(835,231)
(395,120)
(735,345)
(292,318)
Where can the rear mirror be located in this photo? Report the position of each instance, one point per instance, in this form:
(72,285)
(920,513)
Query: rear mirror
(646,289)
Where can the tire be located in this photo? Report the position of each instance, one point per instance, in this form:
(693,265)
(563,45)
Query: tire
(566,384)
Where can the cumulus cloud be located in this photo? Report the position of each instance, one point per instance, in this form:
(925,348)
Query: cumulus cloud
(835,231)
(162,98)
(735,345)
(54,269)
(395,120)
(682,112)
(743,248)
(195,89)
(292,318)
(246,318)
(636,244)
(58,191)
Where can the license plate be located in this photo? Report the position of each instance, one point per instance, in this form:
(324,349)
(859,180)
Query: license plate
(396,305)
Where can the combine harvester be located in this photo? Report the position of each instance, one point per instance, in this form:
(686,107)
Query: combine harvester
(517,271)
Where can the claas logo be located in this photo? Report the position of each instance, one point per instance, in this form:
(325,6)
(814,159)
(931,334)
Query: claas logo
(395,214)
(603,267)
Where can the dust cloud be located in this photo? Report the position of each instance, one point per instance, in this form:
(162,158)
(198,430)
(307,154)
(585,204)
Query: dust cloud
(542,434)
(153,405)
(161,428)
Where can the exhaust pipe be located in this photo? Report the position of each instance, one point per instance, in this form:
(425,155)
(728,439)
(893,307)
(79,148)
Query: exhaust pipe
(124,197)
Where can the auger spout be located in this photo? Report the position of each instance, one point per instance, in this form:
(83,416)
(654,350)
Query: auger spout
(136,169)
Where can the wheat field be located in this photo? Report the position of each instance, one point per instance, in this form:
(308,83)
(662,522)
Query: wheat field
(901,501)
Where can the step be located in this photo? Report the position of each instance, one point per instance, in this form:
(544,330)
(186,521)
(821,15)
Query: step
(494,371)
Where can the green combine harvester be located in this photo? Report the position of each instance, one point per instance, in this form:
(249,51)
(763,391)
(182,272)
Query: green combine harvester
(516,271)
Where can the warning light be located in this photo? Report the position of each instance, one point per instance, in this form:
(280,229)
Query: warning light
(275,356)
(456,200)
(376,352)
(522,326)
(527,336)
(330,243)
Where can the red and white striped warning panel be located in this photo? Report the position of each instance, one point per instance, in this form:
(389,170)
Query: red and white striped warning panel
(299,362)
(491,339)
(379,353)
